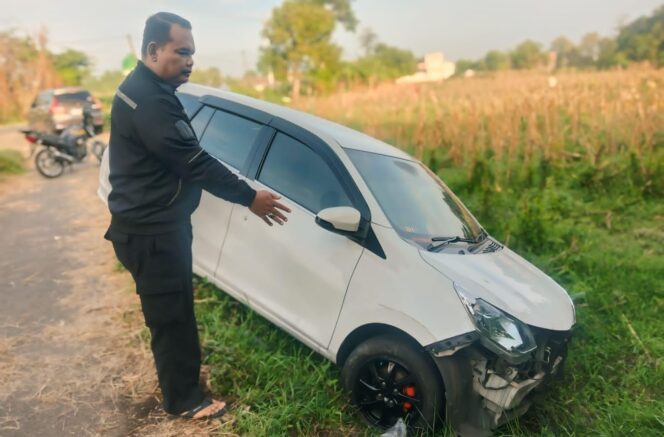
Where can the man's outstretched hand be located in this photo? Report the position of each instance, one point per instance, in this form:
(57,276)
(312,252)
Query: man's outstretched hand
(265,206)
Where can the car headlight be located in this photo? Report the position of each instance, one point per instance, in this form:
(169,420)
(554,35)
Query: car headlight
(499,332)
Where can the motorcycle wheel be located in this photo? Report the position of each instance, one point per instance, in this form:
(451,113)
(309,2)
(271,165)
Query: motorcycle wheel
(48,165)
(98,148)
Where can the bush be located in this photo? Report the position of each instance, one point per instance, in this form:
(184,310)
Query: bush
(11,161)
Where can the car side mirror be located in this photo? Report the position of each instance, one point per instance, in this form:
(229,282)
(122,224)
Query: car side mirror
(343,220)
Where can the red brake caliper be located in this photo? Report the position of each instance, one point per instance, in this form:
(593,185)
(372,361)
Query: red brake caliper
(410,392)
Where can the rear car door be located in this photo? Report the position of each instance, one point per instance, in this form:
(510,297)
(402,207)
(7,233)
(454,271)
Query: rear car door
(229,138)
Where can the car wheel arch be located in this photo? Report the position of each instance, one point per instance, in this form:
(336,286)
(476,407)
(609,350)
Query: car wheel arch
(365,332)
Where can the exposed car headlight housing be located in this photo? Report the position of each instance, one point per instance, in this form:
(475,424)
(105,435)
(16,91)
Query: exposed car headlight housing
(499,332)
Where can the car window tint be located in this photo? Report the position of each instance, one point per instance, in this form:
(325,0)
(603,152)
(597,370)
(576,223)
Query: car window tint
(189,103)
(200,121)
(299,173)
(44,99)
(79,96)
(230,137)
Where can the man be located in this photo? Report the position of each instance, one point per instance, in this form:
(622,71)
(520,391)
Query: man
(157,171)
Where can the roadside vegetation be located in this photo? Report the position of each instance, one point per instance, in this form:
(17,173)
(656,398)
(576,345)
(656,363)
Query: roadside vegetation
(11,161)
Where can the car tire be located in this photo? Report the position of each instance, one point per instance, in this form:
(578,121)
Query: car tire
(390,377)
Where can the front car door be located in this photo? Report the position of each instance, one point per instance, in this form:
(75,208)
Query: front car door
(297,274)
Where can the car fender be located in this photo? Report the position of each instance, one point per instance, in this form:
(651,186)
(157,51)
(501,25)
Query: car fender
(400,291)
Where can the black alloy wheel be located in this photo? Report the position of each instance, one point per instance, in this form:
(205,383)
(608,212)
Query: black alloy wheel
(390,378)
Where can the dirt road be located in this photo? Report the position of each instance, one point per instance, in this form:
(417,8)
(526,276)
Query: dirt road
(73,358)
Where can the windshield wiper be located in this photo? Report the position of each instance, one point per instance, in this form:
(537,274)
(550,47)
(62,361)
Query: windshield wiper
(444,241)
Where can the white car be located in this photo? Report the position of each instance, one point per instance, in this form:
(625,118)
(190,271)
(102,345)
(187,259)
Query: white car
(380,268)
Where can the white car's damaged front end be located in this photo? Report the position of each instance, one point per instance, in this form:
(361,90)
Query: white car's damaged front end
(491,373)
(522,319)
(484,388)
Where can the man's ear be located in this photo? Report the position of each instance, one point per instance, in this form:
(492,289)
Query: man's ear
(152,50)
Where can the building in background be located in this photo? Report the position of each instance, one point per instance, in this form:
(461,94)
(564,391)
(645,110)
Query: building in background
(434,68)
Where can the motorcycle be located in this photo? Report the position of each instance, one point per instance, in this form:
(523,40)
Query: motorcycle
(69,147)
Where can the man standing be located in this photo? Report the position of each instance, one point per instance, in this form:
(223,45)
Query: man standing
(157,171)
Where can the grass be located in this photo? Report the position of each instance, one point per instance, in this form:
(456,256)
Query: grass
(11,162)
(571,178)
(280,385)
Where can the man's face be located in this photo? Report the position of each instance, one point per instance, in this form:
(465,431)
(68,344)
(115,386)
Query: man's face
(173,61)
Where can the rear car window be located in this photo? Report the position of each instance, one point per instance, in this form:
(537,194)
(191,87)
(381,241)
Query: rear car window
(189,103)
(79,96)
(229,138)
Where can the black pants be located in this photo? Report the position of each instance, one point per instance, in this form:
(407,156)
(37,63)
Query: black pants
(161,266)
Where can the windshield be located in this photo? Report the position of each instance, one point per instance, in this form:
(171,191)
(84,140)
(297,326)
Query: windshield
(416,202)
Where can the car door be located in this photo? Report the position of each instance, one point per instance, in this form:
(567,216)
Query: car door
(297,273)
(229,138)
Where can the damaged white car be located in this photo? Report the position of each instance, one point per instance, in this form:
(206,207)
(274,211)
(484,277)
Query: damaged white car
(380,268)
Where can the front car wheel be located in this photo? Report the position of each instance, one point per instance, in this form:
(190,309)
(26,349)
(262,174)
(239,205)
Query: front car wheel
(389,378)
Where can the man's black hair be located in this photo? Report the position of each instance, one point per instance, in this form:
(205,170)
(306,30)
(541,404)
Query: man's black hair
(158,29)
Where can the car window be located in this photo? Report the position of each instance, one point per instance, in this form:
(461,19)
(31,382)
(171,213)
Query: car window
(200,121)
(230,137)
(44,99)
(299,173)
(74,97)
(189,102)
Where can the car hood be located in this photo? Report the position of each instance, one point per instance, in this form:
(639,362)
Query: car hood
(510,283)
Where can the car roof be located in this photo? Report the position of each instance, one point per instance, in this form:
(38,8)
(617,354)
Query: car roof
(68,90)
(346,137)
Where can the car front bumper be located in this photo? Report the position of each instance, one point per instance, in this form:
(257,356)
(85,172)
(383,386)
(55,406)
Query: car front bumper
(483,390)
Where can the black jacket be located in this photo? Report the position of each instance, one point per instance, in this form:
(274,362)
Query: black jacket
(157,167)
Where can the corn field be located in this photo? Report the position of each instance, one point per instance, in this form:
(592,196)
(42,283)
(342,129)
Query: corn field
(516,115)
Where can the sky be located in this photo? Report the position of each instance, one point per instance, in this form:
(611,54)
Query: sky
(227,33)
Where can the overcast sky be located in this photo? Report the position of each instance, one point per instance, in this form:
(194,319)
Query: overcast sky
(227,32)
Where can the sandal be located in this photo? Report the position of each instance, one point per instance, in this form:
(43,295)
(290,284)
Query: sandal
(206,403)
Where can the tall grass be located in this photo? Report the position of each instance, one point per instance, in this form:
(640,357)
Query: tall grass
(515,118)
(571,177)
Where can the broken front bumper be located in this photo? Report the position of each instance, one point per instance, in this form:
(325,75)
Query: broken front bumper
(484,390)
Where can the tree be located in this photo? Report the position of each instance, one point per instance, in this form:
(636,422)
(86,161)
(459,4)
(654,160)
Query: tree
(527,55)
(609,56)
(25,69)
(210,76)
(384,62)
(368,40)
(589,49)
(300,41)
(343,13)
(567,54)
(463,65)
(105,84)
(496,60)
(72,66)
(643,39)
